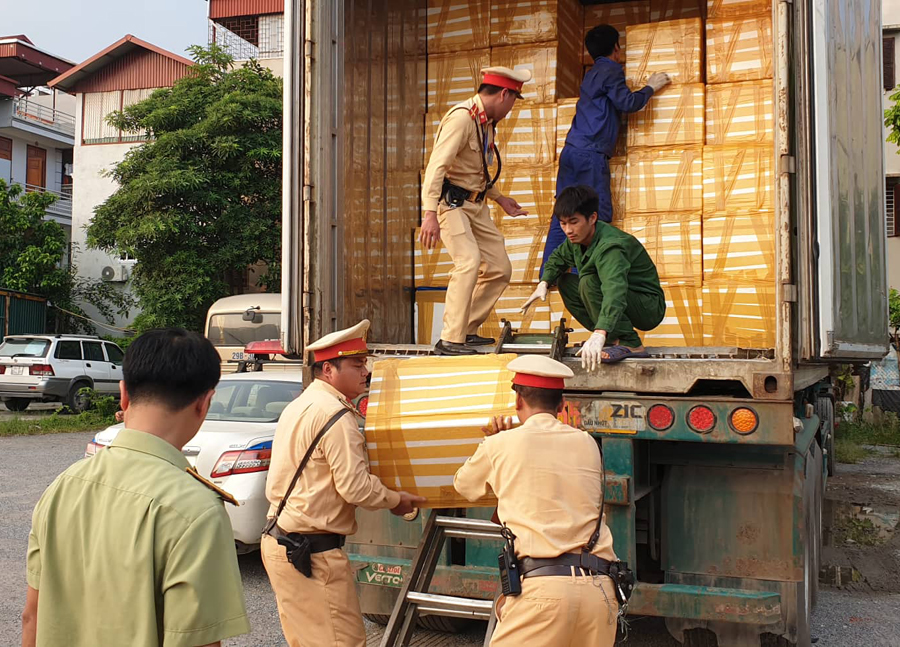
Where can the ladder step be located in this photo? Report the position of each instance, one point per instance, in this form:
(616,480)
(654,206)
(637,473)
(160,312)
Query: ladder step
(447,605)
(468,528)
(526,347)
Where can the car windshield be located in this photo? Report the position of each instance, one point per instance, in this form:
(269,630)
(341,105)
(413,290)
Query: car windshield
(232,330)
(24,347)
(252,400)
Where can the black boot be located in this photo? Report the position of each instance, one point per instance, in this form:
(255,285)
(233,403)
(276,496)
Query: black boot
(452,348)
(476,340)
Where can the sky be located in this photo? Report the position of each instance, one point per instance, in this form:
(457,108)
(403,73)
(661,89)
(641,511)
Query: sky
(78,29)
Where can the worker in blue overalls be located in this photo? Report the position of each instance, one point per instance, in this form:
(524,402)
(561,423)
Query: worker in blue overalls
(595,127)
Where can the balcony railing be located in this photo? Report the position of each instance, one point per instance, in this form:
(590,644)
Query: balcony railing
(62,206)
(42,115)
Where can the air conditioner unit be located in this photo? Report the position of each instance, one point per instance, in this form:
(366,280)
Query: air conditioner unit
(115,273)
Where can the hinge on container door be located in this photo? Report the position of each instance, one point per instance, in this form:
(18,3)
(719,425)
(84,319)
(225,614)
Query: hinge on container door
(788,164)
(308,49)
(790,292)
(307,192)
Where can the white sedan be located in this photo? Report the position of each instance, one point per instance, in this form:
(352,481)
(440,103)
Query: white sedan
(234,445)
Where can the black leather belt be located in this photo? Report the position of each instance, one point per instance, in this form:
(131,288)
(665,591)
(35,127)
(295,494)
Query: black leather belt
(583,563)
(318,542)
(543,571)
(476,196)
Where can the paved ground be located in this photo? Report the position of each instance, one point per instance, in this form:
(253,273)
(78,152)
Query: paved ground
(842,619)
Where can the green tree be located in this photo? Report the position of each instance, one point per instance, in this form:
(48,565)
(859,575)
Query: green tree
(200,201)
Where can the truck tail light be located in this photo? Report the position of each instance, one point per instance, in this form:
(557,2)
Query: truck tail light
(744,420)
(2,369)
(43,370)
(701,419)
(660,417)
(244,461)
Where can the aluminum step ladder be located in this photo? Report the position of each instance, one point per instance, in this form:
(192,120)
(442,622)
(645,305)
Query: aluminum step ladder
(414,598)
(552,345)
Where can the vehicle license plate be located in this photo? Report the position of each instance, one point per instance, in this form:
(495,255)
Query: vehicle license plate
(17,370)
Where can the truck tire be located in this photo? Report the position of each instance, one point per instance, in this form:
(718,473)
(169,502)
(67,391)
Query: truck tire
(700,638)
(76,402)
(17,404)
(825,411)
(432,623)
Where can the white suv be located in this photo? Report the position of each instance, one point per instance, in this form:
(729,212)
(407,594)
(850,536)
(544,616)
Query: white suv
(54,368)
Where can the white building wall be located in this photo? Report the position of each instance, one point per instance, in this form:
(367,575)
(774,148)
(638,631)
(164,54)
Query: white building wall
(890,19)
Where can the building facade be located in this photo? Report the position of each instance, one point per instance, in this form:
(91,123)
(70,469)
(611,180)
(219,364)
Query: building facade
(890,19)
(249,29)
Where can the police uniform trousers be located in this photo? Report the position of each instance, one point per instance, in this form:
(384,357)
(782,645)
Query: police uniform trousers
(577,166)
(481,268)
(559,611)
(583,297)
(318,610)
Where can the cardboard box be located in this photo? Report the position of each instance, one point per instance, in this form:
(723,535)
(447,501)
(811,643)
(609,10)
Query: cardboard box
(674,116)
(618,14)
(674,47)
(734,8)
(738,179)
(555,68)
(739,49)
(455,77)
(432,123)
(618,167)
(533,186)
(565,113)
(664,180)
(528,134)
(525,248)
(457,25)
(739,314)
(429,315)
(419,434)
(508,307)
(673,241)
(739,247)
(740,113)
(683,322)
(431,267)
(676,9)
(517,22)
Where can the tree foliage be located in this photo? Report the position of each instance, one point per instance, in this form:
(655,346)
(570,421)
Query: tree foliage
(200,201)
(892,119)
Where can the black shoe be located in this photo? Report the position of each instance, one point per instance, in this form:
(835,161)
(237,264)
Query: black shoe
(452,348)
(476,340)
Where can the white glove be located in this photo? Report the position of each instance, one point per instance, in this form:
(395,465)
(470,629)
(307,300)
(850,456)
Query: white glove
(591,352)
(658,80)
(540,292)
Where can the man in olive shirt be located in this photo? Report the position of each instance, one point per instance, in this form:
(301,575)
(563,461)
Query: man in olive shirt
(617,287)
(132,547)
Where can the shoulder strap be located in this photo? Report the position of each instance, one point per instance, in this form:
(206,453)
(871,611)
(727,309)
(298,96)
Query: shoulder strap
(306,457)
(588,547)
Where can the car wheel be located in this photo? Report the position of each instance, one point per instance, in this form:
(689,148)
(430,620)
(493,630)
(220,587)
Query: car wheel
(77,402)
(17,404)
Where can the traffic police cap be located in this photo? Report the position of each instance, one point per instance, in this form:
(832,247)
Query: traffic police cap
(539,371)
(504,77)
(341,343)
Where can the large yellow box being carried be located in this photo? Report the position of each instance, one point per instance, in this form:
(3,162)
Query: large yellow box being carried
(425,419)
(673,241)
(618,14)
(528,134)
(674,47)
(516,22)
(453,78)
(739,313)
(738,179)
(739,247)
(664,180)
(457,25)
(739,49)
(555,68)
(674,116)
(740,113)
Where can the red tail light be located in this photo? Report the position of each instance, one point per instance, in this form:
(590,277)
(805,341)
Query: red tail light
(242,462)
(363,406)
(660,417)
(2,369)
(43,370)
(701,419)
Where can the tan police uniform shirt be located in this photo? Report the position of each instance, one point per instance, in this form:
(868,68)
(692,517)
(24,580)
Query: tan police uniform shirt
(457,154)
(127,548)
(547,477)
(335,480)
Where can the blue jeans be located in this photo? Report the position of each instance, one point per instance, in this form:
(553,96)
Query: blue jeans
(578,166)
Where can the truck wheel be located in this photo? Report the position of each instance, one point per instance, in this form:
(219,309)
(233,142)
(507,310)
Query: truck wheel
(700,638)
(17,404)
(77,402)
(825,411)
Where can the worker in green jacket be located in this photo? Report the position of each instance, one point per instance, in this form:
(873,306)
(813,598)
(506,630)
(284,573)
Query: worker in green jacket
(617,287)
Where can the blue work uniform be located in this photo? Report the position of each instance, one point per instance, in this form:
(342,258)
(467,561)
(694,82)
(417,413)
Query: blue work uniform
(592,138)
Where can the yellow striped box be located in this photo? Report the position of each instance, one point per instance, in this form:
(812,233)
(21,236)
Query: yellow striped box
(516,22)
(664,180)
(525,248)
(674,116)
(455,77)
(618,14)
(533,186)
(740,113)
(738,179)
(431,267)
(739,247)
(734,8)
(457,25)
(675,9)
(739,49)
(673,241)
(429,316)
(528,134)
(683,322)
(739,314)
(556,71)
(674,47)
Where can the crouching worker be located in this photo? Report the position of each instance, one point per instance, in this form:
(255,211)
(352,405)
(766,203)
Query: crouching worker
(548,480)
(617,287)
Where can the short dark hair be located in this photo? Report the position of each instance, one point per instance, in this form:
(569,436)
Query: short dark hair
(601,40)
(170,366)
(319,367)
(580,199)
(490,89)
(538,398)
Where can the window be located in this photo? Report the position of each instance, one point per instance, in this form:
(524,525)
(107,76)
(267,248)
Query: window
(233,330)
(97,106)
(68,350)
(5,148)
(93,350)
(887,50)
(246,27)
(24,347)
(892,200)
(251,401)
(114,353)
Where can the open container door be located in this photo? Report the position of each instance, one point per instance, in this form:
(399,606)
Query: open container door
(849,179)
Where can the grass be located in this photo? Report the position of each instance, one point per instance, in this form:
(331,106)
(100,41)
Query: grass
(55,423)
(851,437)
(847,451)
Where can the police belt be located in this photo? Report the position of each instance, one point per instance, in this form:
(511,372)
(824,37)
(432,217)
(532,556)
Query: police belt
(454,195)
(563,565)
(318,542)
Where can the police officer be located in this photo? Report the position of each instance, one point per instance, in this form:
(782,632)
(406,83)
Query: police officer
(548,480)
(591,140)
(320,607)
(133,547)
(457,181)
